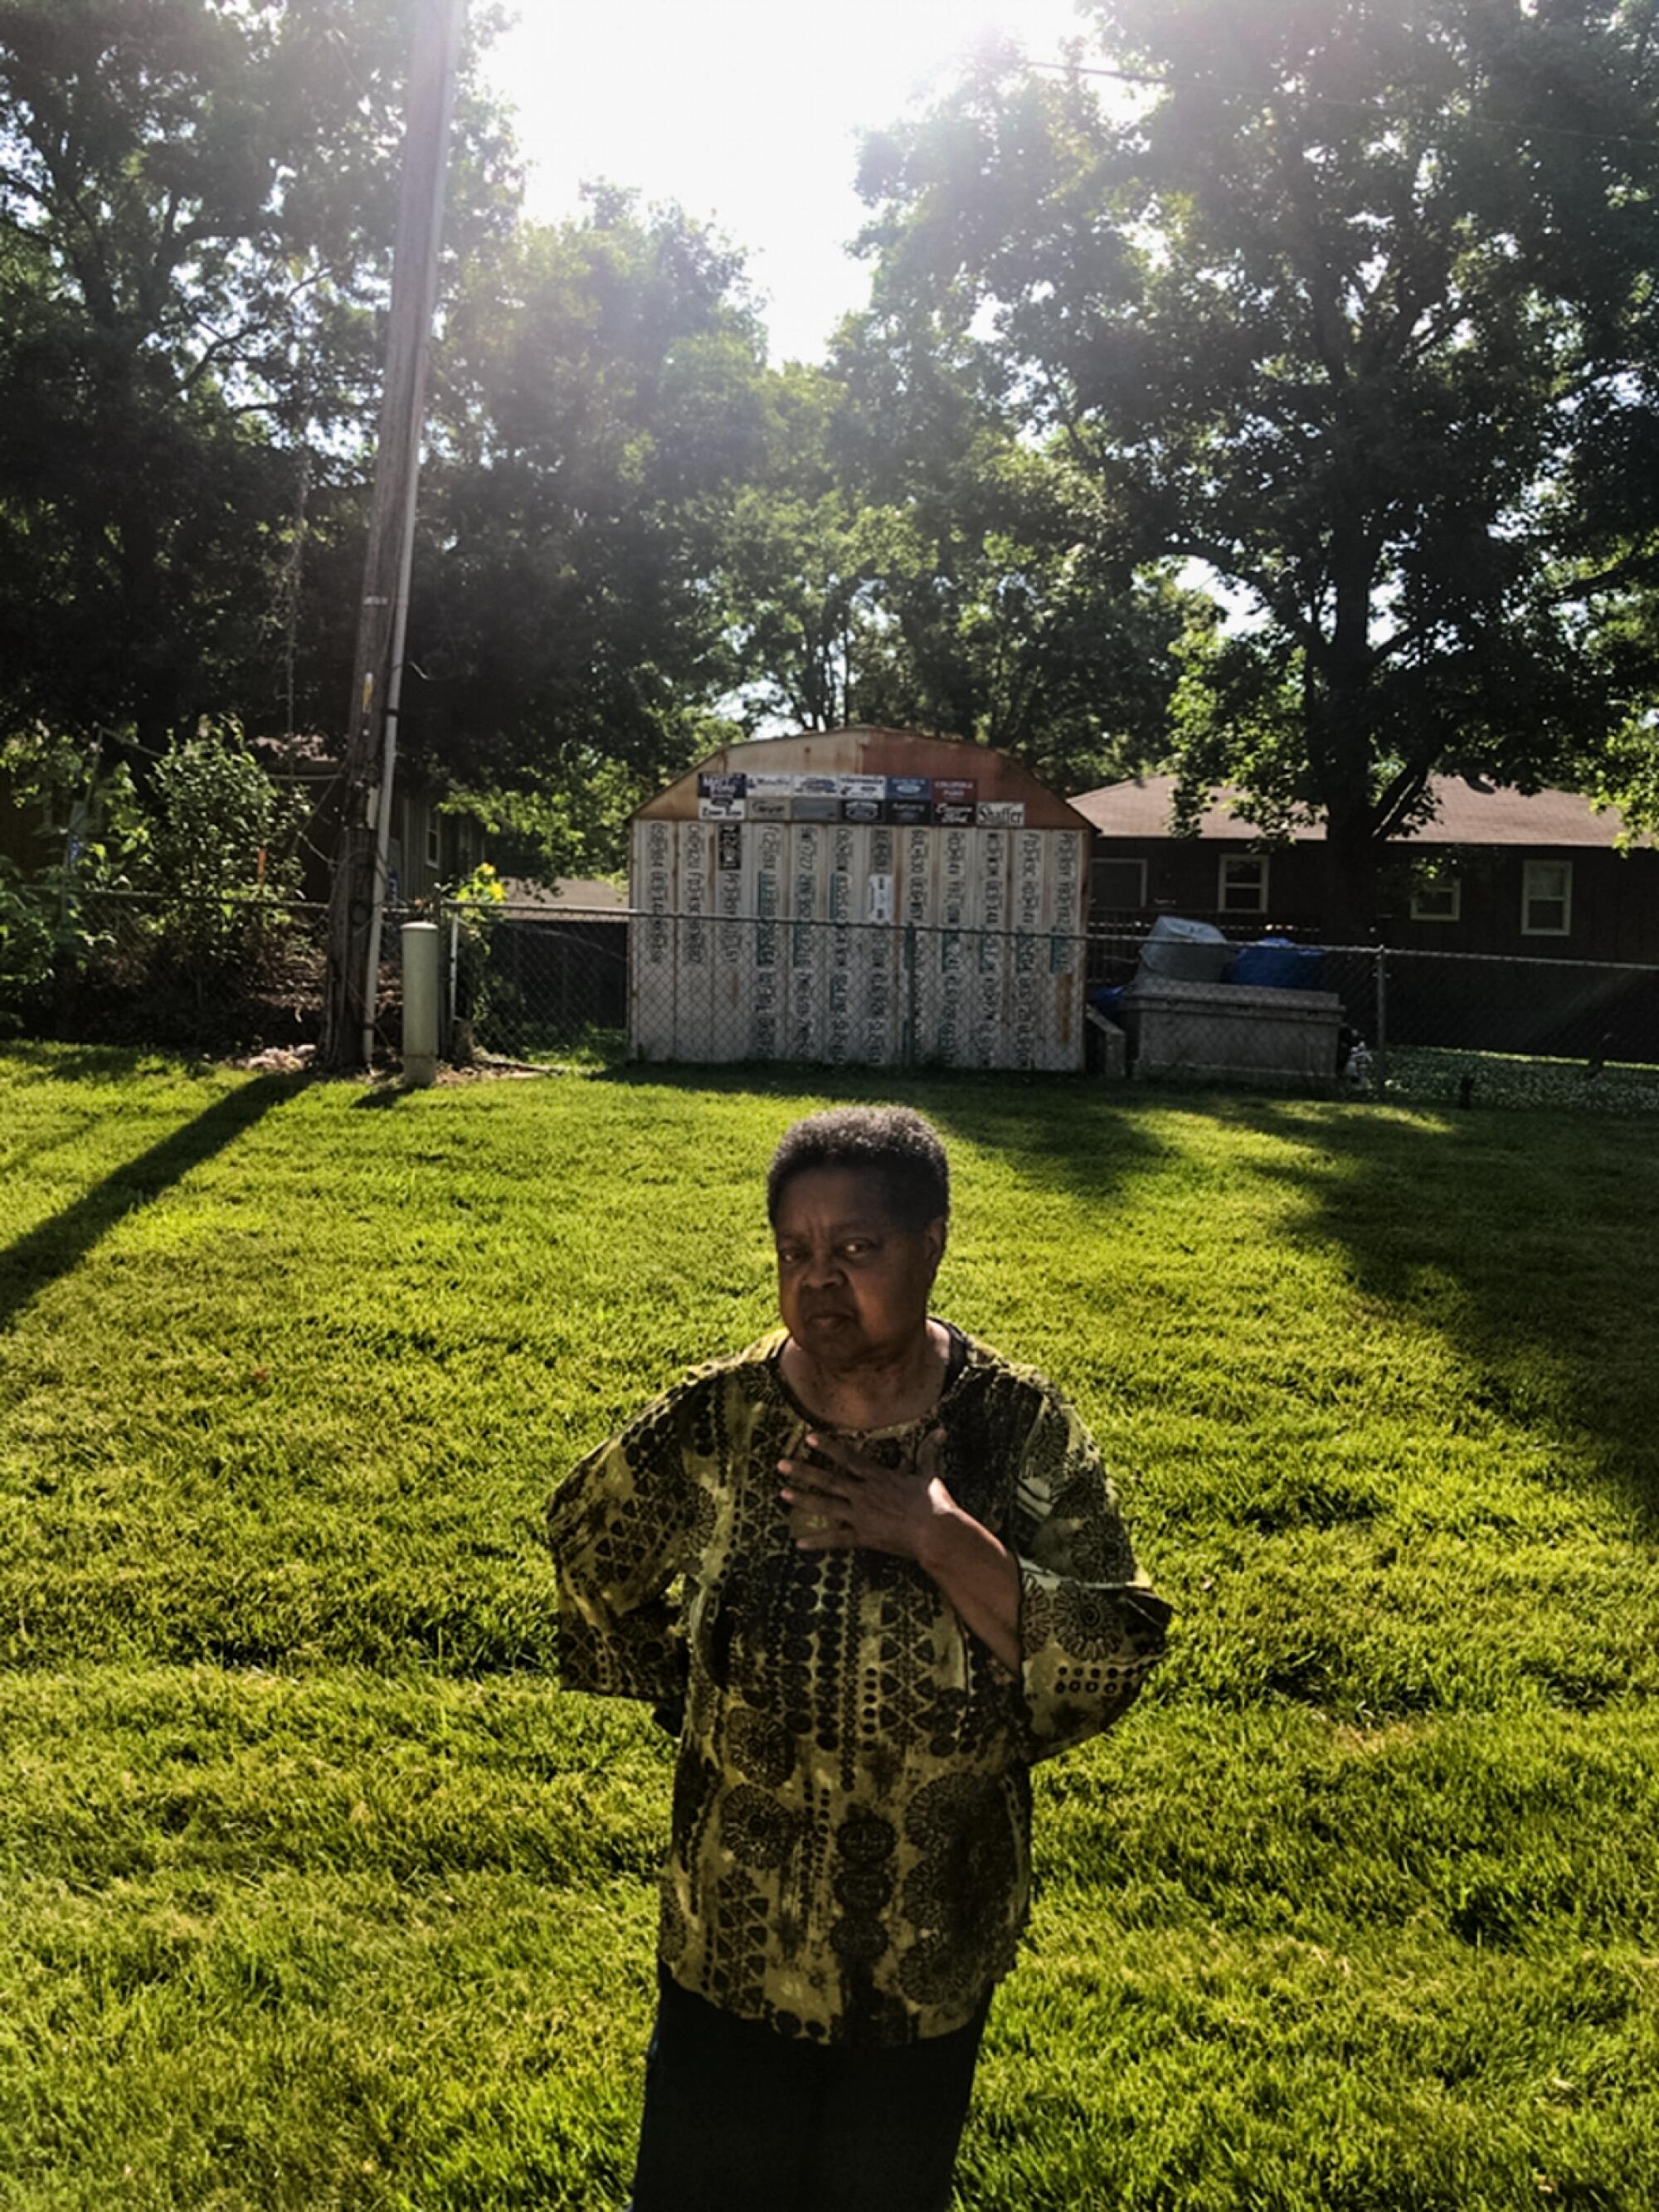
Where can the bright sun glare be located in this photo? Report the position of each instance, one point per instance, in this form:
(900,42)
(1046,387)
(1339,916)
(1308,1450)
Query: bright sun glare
(746,111)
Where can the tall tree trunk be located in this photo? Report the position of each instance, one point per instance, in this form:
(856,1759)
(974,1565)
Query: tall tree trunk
(1350,886)
(1338,706)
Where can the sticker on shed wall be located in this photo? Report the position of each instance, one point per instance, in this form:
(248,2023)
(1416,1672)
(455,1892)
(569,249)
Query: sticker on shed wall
(863,798)
(720,798)
(879,899)
(1002,814)
(910,798)
(955,799)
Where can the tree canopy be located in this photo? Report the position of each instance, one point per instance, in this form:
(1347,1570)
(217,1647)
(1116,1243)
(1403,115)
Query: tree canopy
(600,398)
(908,558)
(1344,309)
(195,216)
(1352,304)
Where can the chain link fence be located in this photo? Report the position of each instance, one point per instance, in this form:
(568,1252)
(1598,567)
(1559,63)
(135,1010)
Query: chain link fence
(593,985)
(699,987)
(526,984)
(1471,1028)
(709,987)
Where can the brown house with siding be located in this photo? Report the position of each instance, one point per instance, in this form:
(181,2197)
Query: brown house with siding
(1496,870)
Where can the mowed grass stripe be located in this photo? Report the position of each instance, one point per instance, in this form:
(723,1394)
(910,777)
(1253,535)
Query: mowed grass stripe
(1448,1822)
(319,1891)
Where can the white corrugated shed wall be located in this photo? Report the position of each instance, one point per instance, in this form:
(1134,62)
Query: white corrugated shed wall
(787,940)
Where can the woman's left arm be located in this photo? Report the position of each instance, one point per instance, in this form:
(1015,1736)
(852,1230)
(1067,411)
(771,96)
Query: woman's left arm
(1090,1627)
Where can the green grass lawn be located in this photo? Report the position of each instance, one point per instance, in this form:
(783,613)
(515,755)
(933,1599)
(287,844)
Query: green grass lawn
(316,1891)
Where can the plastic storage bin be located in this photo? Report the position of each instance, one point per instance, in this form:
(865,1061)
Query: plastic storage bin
(1274,963)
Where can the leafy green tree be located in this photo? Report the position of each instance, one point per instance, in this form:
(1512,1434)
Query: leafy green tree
(212,858)
(223,866)
(223,833)
(28,945)
(599,401)
(798,562)
(76,817)
(195,202)
(1352,304)
(907,560)
(196,206)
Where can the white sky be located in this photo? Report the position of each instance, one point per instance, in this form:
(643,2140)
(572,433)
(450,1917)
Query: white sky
(746,111)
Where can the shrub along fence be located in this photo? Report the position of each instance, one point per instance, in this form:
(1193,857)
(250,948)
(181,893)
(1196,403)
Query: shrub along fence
(214,973)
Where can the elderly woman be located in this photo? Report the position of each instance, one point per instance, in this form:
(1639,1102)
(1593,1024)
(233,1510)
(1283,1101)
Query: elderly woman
(868,1571)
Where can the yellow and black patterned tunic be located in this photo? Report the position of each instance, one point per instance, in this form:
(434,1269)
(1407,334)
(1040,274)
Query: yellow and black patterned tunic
(850,1847)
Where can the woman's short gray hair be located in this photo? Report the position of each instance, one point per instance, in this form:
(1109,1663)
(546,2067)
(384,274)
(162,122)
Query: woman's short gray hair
(891,1142)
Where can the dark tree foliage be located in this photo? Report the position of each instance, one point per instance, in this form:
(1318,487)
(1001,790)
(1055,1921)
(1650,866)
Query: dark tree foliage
(1353,304)
(196,203)
(195,207)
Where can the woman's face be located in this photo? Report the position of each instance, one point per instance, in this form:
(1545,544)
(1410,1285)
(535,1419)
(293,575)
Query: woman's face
(852,1283)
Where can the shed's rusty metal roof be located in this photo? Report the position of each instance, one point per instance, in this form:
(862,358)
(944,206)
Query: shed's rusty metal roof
(861,749)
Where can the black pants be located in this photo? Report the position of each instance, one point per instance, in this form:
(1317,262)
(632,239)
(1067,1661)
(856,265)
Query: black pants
(740,2119)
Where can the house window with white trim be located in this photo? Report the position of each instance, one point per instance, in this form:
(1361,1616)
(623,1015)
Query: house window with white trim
(1243,884)
(1547,898)
(1437,898)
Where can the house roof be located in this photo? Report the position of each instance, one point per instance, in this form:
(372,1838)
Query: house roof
(583,894)
(1465,813)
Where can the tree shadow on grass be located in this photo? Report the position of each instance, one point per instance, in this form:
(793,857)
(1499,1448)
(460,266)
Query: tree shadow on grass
(1060,1136)
(1062,1133)
(57,1246)
(1525,1240)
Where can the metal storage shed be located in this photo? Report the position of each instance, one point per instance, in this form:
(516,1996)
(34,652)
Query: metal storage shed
(859,895)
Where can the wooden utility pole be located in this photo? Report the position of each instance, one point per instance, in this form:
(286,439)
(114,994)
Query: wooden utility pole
(357,894)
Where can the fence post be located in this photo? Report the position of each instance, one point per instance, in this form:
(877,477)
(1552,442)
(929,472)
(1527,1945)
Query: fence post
(1380,1060)
(907,1054)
